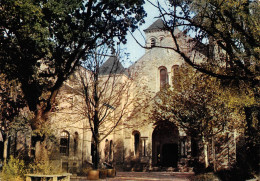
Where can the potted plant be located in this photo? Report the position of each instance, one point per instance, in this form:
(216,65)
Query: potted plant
(103,173)
(111,172)
(93,175)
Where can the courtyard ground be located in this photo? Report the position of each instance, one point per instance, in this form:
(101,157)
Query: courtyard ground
(146,176)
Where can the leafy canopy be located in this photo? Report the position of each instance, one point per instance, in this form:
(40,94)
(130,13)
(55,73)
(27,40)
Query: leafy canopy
(42,41)
(231,29)
(198,104)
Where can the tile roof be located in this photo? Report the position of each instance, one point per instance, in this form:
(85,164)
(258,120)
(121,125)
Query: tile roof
(157,25)
(112,66)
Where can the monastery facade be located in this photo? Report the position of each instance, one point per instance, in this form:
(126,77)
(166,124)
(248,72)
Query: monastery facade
(137,143)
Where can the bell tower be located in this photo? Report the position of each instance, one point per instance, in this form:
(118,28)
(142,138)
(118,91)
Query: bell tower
(155,34)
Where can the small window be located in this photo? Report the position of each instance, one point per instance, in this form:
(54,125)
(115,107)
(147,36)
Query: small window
(136,142)
(176,74)
(144,146)
(111,151)
(194,148)
(76,143)
(163,77)
(64,143)
(176,70)
(183,147)
(106,150)
(161,39)
(153,42)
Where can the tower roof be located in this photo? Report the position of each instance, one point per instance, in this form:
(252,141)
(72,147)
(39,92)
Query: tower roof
(112,66)
(157,25)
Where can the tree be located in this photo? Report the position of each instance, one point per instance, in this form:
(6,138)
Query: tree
(196,104)
(11,103)
(41,42)
(109,94)
(228,34)
(230,25)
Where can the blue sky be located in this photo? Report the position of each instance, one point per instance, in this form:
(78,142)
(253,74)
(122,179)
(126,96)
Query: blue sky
(134,50)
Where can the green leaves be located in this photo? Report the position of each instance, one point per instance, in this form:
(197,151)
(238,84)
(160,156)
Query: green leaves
(42,41)
(229,28)
(197,104)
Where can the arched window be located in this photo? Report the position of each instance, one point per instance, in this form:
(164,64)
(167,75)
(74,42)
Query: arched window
(106,150)
(111,151)
(163,77)
(136,135)
(176,74)
(76,142)
(64,143)
(161,39)
(153,42)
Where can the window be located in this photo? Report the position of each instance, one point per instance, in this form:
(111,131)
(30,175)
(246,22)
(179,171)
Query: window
(106,150)
(161,39)
(153,42)
(136,142)
(144,139)
(194,147)
(76,143)
(111,151)
(64,143)
(176,74)
(183,147)
(163,77)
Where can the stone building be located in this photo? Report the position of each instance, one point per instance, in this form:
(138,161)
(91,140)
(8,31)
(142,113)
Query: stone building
(137,143)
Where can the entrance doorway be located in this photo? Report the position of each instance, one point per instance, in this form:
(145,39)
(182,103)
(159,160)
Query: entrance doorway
(165,145)
(169,155)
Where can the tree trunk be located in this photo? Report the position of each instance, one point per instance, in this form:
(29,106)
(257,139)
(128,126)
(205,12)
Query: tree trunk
(41,117)
(40,140)
(96,156)
(5,154)
(205,151)
(214,154)
(41,152)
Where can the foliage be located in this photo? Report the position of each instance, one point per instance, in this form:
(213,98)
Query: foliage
(41,42)
(103,96)
(231,29)
(11,102)
(199,105)
(44,167)
(196,104)
(14,170)
(236,174)
(226,35)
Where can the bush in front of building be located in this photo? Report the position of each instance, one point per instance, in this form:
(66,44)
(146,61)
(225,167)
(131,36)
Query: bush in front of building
(14,170)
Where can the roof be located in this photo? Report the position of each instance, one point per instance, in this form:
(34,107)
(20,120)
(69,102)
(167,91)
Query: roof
(157,25)
(112,66)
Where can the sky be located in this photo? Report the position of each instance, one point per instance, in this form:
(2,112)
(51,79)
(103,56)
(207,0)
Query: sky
(136,51)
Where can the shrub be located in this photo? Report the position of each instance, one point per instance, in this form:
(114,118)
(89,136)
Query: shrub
(44,167)
(14,170)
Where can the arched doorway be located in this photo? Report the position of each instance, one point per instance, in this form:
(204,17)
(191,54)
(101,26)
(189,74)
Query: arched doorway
(165,144)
